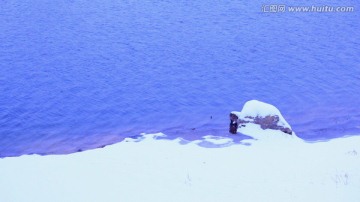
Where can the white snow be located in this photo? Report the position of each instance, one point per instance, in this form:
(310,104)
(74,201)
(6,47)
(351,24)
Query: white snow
(280,169)
(271,167)
(255,108)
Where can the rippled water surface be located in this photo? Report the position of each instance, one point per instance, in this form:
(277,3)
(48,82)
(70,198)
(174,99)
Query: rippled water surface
(81,74)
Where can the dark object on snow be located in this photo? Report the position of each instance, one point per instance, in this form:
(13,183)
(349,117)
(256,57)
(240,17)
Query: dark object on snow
(233,124)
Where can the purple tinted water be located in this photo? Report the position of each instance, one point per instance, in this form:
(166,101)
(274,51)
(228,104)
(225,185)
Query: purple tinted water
(76,75)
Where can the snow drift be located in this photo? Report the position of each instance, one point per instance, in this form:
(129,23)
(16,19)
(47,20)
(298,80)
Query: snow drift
(275,167)
(162,170)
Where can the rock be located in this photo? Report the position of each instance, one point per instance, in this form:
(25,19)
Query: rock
(263,114)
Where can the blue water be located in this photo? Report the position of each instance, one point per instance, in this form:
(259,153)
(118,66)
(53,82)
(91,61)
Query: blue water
(76,75)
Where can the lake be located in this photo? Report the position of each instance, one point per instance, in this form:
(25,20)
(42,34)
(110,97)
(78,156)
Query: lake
(76,75)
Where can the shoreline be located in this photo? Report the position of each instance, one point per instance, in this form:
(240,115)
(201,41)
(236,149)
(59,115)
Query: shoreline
(286,169)
(234,139)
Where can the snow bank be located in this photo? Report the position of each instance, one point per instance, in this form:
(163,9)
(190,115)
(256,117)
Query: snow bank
(161,170)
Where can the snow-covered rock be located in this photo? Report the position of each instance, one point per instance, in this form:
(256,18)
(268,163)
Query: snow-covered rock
(263,114)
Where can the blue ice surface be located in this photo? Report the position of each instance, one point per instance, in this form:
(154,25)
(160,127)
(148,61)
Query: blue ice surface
(81,74)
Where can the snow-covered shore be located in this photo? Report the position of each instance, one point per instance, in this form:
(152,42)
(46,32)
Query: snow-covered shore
(270,169)
(272,166)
